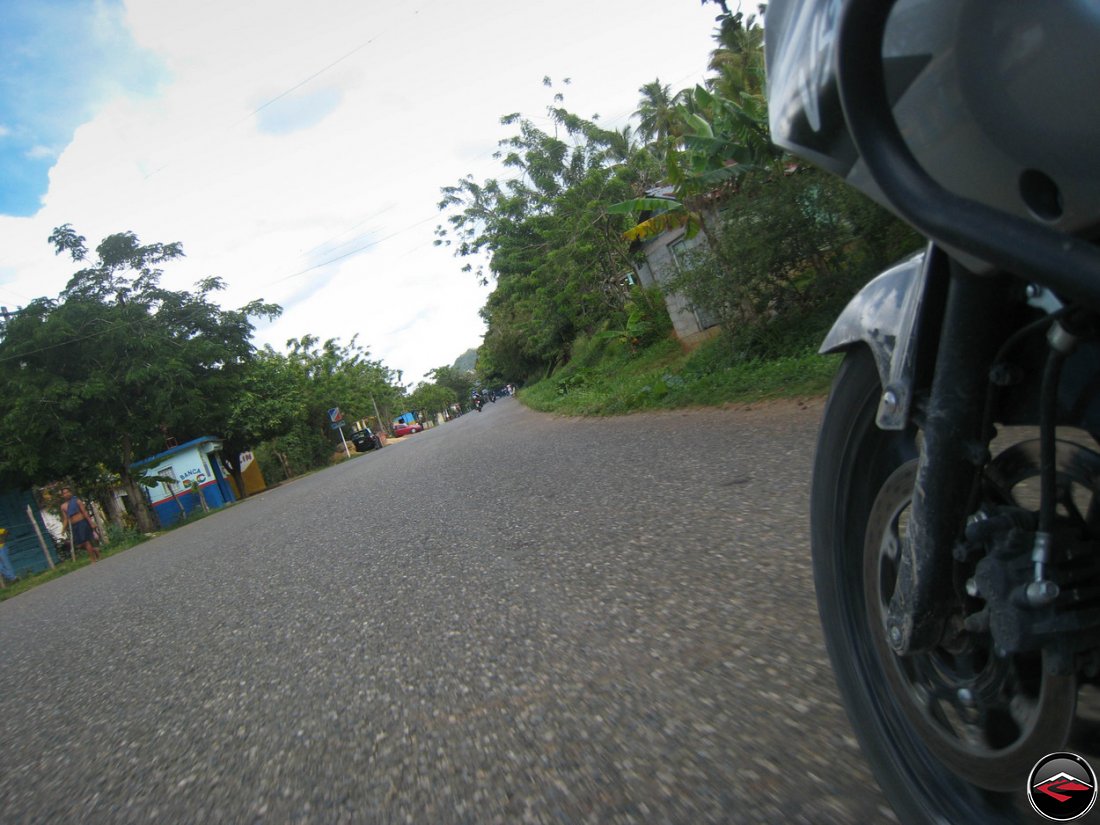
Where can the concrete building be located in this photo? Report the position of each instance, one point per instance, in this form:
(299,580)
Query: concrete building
(192,477)
(664,256)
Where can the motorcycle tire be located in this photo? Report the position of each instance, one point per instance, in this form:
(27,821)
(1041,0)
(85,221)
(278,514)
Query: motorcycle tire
(854,461)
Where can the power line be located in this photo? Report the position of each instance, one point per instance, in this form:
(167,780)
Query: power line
(297,86)
(290,90)
(355,251)
(476,157)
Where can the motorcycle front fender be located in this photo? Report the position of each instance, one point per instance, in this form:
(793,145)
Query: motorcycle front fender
(885,316)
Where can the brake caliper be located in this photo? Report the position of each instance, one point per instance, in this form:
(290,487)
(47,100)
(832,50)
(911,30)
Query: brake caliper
(1065,627)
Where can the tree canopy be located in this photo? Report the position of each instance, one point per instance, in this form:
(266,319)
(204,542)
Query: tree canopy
(563,229)
(103,374)
(118,367)
(559,261)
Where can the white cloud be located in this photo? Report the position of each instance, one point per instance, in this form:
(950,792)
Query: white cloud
(293,136)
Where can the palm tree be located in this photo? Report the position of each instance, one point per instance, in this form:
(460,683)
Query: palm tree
(622,144)
(656,112)
(739,58)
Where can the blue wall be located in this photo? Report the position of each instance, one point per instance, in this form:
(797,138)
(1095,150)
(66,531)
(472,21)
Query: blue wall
(187,462)
(216,492)
(23,548)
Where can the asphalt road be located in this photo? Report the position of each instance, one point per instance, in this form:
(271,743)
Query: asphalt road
(510,618)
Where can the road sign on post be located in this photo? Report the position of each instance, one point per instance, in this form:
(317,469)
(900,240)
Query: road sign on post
(337,419)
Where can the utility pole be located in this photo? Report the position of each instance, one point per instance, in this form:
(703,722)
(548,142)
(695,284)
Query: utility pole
(378,416)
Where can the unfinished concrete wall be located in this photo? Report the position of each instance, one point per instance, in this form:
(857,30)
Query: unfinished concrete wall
(663,255)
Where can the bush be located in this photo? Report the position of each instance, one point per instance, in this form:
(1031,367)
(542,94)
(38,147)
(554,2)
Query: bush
(120,537)
(588,350)
(643,321)
(299,451)
(647,319)
(788,253)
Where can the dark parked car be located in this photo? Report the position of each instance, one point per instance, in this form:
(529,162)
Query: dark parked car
(365,440)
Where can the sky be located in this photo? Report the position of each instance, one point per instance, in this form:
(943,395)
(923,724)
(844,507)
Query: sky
(297,148)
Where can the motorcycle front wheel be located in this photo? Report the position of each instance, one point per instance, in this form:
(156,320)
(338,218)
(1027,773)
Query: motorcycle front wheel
(948,734)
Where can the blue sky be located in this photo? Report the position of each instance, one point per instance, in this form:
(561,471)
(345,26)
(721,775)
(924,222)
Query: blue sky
(59,59)
(296,148)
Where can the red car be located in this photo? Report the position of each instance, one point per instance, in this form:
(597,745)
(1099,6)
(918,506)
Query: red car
(406,429)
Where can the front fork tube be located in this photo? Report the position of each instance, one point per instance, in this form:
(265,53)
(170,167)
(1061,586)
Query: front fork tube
(954,451)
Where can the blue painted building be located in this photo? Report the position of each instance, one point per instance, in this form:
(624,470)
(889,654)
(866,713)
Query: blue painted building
(194,470)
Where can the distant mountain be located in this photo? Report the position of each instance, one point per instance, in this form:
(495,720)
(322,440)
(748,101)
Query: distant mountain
(467,361)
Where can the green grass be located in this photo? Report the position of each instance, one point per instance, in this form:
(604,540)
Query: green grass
(665,377)
(120,541)
(66,566)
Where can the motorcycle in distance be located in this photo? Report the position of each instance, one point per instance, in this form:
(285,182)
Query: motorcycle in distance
(479,402)
(955,525)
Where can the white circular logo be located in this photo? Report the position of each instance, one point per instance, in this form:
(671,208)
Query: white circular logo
(1062,787)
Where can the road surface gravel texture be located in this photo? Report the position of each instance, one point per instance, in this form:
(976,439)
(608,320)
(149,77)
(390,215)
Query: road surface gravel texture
(511,618)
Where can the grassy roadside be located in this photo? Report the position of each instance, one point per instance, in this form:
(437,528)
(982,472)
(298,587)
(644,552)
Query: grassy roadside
(119,542)
(665,377)
(117,545)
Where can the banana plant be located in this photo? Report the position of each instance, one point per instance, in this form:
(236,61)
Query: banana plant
(721,140)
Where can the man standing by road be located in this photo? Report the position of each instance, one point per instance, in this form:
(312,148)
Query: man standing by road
(79,523)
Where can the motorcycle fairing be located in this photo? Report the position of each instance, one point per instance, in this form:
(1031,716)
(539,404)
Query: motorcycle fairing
(990,97)
(883,315)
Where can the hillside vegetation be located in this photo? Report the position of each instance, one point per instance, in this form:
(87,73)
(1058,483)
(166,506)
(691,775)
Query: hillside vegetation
(776,248)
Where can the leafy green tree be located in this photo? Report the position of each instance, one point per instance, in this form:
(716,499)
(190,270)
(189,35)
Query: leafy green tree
(269,402)
(332,374)
(505,354)
(659,122)
(721,141)
(792,250)
(718,134)
(281,408)
(300,449)
(432,399)
(459,382)
(558,260)
(738,59)
(99,377)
